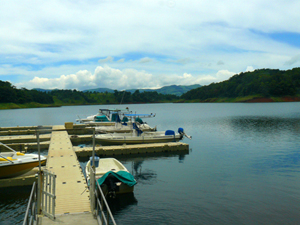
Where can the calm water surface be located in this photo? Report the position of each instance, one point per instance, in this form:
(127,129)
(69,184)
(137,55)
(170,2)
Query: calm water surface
(242,167)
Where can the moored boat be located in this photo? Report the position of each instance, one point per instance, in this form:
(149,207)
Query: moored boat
(128,124)
(111,175)
(104,117)
(139,137)
(14,163)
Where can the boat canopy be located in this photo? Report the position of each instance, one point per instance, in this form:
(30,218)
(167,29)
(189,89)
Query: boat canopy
(123,176)
(101,118)
(139,120)
(115,117)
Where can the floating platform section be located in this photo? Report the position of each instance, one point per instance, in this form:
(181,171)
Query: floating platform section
(131,149)
(24,138)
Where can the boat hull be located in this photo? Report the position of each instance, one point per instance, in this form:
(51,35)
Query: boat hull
(13,170)
(110,140)
(122,189)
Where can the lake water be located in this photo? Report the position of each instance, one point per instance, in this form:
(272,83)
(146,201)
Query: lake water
(243,166)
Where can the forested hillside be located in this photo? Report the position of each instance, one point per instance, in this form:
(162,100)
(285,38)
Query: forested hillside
(16,98)
(260,83)
(263,83)
(10,94)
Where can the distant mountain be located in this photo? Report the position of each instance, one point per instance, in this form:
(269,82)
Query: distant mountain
(172,89)
(44,90)
(102,90)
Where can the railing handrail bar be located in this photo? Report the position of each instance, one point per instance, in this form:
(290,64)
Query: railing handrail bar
(29,203)
(104,200)
(101,211)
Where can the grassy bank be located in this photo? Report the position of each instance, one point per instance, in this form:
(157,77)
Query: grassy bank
(246,99)
(26,105)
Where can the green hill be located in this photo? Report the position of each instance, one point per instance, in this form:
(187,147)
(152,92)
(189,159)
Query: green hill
(177,90)
(101,90)
(263,83)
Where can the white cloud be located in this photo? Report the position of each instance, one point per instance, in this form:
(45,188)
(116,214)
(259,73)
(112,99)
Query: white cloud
(121,60)
(120,79)
(220,62)
(48,39)
(293,60)
(182,61)
(223,75)
(249,69)
(145,60)
(107,59)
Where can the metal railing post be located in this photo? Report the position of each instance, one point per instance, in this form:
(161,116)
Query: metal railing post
(40,179)
(92,177)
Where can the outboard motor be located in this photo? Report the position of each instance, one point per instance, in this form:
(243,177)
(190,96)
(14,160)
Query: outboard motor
(110,182)
(181,132)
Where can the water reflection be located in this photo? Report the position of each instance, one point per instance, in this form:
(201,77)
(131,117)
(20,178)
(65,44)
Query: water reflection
(121,202)
(142,176)
(13,204)
(265,124)
(147,176)
(286,162)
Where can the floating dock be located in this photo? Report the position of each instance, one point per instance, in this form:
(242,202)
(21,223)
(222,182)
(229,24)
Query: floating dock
(72,193)
(131,149)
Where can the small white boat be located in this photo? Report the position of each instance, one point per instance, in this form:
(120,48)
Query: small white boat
(127,126)
(112,176)
(13,163)
(139,137)
(104,116)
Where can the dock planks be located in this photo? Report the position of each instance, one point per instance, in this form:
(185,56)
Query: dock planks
(72,195)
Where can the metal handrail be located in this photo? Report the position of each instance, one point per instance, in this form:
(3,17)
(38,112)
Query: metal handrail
(29,219)
(100,201)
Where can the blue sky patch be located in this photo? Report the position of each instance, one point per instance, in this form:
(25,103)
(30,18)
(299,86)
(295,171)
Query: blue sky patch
(140,55)
(287,37)
(290,38)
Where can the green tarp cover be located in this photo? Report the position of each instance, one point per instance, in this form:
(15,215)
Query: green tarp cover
(123,176)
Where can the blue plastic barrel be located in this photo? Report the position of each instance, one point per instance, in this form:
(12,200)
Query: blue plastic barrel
(96,160)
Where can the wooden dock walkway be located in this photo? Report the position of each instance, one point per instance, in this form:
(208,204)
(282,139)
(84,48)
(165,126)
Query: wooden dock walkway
(72,194)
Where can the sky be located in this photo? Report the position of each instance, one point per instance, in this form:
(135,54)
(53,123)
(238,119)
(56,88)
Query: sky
(124,44)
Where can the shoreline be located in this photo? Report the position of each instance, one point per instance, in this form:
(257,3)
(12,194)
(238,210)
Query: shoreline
(266,100)
(214,100)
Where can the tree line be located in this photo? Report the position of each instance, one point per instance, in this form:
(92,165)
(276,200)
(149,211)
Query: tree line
(10,94)
(262,82)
